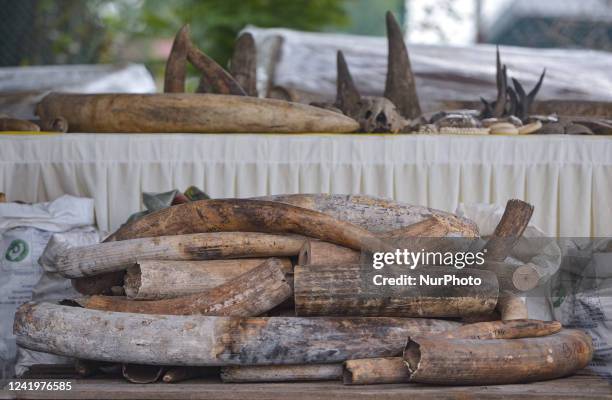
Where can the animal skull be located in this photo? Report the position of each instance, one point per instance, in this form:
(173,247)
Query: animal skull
(392,112)
(378,114)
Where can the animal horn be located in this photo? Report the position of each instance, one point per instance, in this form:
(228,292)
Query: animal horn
(532,94)
(514,105)
(214,78)
(487,111)
(243,66)
(174,76)
(522,99)
(502,86)
(347,95)
(400,85)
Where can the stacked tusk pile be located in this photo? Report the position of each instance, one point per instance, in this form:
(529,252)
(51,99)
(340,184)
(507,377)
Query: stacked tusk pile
(270,289)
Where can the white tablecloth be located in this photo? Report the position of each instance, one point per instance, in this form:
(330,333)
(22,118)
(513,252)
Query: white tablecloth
(567,178)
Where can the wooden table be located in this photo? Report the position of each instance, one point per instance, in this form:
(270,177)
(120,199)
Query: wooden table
(583,385)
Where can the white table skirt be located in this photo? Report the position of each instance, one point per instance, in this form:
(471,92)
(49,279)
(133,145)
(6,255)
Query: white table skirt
(567,178)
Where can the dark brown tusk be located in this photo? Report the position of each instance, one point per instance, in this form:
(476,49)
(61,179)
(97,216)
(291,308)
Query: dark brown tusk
(372,371)
(394,370)
(516,329)
(507,233)
(400,86)
(212,341)
(243,66)
(99,284)
(509,230)
(315,252)
(110,256)
(20,125)
(250,294)
(176,65)
(244,215)
(214,78)
(376,214)
(314,296)
(156,279)
(442,361)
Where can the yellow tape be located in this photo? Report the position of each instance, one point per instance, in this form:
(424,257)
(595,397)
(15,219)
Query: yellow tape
(29,133)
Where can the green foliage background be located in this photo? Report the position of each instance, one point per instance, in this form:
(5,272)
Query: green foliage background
(39,32)
(215,23)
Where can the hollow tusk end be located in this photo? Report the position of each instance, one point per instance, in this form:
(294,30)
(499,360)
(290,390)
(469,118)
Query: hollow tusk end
(347,375)
(412,357)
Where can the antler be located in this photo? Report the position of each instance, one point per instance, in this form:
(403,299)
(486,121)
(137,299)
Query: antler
(526,100)
(514,102)
(510,101)
(243,66)
(400,86)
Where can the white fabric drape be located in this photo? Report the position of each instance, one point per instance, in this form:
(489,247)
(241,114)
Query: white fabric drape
(567,178)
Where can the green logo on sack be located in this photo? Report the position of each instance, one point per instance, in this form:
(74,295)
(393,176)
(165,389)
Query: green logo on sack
(17,251)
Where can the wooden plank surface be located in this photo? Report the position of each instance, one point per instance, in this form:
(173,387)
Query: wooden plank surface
(584,385)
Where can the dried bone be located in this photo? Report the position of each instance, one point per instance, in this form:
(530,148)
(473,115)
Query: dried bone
(457,121)
(550,128)
(465,131)
(577,129)
(598,126)
(532,127)
(428,128)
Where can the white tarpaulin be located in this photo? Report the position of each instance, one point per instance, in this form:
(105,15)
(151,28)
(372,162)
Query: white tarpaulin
(306,61)
(21,88)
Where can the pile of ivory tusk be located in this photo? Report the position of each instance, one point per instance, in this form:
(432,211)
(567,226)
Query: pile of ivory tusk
(269,289)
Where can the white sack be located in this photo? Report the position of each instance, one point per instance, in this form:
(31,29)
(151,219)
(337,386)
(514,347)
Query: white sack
(24,233)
